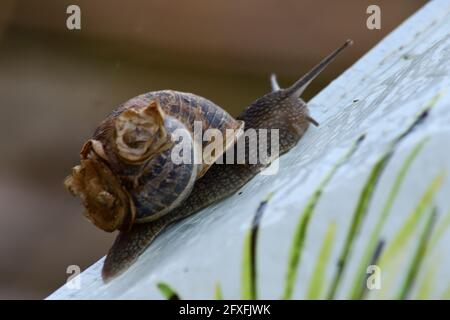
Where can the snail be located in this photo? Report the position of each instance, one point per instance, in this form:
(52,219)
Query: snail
(128,181)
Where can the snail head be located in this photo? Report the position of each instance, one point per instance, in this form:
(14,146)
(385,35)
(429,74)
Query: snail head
(284,109)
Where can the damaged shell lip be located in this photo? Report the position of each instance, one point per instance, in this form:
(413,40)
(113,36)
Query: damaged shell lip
(139,133)
(108,205)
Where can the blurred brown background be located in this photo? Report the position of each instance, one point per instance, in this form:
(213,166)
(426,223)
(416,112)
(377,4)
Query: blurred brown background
(56,85)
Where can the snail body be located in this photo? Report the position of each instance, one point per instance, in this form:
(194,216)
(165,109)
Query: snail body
(131,176)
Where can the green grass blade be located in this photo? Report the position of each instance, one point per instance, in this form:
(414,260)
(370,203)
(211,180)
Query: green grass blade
(440,230)
(392,255)
(446,294)
(318,277)
(426,283)
(218,292)
(360,212)
(367,193)
(302,226)
(167,291)
(424,289)
(410,224)
(247,284)
(249,270)
(418,257)
(359,283)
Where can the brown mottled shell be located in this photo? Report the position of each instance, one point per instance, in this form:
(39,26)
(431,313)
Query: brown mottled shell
(127,174)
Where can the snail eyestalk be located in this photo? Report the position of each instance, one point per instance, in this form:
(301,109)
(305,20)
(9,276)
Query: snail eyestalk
(301,84)
(274,82)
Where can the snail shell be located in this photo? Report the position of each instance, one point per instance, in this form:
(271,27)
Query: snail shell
(126,174)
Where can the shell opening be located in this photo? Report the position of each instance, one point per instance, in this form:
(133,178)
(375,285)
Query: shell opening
(108,205)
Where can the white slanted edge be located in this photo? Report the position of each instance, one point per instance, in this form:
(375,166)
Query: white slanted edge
(379,96)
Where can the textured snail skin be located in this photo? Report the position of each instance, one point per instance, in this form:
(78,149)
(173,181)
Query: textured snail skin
(281,109)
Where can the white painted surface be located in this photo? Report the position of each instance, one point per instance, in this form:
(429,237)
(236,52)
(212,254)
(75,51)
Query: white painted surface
(379,95)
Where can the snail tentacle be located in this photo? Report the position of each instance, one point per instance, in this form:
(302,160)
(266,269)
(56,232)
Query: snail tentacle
(301,84)
(274,82)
